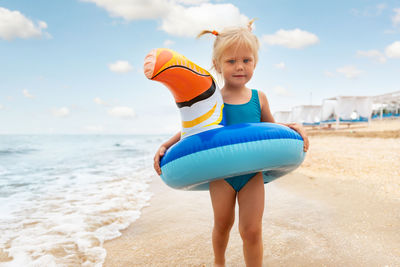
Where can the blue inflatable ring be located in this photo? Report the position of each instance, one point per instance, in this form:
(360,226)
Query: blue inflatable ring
(196,160)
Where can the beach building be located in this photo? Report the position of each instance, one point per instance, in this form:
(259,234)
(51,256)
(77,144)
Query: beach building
(386,105)
(282,116)
(346,109)
(306,114)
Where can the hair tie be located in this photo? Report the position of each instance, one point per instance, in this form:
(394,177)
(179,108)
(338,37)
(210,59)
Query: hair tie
(250,25)
(215,33)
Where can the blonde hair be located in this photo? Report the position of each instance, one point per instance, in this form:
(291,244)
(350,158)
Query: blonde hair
(233,37)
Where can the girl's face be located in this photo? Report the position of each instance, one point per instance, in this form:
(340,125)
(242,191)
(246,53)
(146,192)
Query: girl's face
(237,65)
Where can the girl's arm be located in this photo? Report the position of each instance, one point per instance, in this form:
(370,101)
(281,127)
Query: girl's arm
(266,116)
(161,151)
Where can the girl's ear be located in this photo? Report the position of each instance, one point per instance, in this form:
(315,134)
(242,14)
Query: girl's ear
(216,66)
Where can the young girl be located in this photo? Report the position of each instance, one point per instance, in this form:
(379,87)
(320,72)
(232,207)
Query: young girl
(235,56)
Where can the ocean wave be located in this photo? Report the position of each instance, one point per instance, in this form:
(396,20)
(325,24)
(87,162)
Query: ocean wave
(63,196)
(13,151)
(68,225)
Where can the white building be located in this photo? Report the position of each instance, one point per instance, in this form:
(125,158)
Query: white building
(282,116)
(346,109)
(306,114)
(389,102)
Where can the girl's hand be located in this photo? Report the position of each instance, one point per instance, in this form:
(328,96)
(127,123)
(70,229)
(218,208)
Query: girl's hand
(298,128)
(160,152)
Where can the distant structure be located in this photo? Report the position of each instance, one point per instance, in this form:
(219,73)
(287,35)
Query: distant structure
(282,116)
(343,109)
(386,105)
(346,109)
(306,114)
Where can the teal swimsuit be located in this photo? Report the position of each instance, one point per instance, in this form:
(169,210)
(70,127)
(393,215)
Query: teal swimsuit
(242,113)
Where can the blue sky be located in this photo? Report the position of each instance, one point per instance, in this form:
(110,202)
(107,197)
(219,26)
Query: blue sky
(75,67)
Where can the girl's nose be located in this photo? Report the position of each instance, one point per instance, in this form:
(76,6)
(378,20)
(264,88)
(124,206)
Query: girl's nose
(239,66)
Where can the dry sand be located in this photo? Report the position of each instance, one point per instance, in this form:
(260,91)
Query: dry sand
(340,208)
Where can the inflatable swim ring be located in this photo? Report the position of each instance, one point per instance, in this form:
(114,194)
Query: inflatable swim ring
(208,150)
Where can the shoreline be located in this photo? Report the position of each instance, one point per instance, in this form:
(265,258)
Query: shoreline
(196,207)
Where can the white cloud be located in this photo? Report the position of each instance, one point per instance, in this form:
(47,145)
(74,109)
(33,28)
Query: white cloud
(393,50)
(349,71)
(122,112)
(190,21)
(134,9)
(369,11)
(280,65)
(42,25)
(1,107)
(27,94)
(191,2)
(281,91)
(98,101)
(291,38)
(380,8)
(329,74)
(120,66)
(396,17)
(373,54)
(101,102)
(177,18)
(61,112)
(168,43)
(13,25)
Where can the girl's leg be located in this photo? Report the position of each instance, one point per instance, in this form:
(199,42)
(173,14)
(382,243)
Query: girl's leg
(223,198)
(251,209)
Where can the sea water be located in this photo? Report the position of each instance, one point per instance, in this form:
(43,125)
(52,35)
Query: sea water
(62,196)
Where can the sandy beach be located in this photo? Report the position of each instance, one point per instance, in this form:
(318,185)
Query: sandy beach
(340,208)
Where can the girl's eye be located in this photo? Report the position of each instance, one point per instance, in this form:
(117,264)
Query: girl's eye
(247,60)
(231,61)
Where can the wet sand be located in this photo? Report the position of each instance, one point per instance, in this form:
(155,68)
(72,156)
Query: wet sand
(340,208)
(4,257)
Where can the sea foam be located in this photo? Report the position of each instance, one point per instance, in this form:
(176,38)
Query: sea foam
(60,212)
